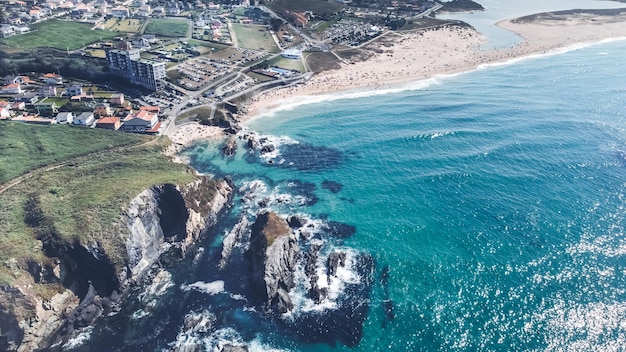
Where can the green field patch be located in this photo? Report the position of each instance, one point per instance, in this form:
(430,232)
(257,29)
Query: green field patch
(212,47)
(254,37)
(324,25)
(24,147)
(167,27)
(99,53)
(259,77)
(124,25)
(58,34)
(289,64)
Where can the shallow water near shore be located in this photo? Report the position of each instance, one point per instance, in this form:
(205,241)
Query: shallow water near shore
(498,10)
(491,202)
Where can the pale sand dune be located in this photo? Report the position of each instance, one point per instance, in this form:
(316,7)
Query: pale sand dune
(416,56)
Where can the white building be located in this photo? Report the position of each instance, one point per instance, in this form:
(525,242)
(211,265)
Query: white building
(292,54)
(84,119)
(74,90)
(63,118)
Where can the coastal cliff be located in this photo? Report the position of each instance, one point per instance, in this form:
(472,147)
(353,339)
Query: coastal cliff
(160,225)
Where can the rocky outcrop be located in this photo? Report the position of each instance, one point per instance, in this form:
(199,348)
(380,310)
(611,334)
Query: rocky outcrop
(230,147)
(168,217)
(272,256)
(85,283)
(232,239)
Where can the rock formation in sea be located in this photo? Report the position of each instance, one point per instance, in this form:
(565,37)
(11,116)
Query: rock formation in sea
(273,254)
(282,247)
(160,224)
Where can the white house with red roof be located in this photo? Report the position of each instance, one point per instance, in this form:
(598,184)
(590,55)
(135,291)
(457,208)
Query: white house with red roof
(142,122)
(52,78)
(11,88)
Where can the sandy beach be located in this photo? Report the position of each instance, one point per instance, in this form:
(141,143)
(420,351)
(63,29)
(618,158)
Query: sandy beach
(188,134)
(398,58)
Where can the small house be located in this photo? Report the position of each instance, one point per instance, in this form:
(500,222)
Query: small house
(52,78)
(117,99)
(109,123)
(11,88)
(46,109)
(18,105)
(143,122)
(63,118)
(84,119)
(48,91)
(102,109)
(74,90)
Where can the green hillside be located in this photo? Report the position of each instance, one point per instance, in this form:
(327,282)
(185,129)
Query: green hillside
(84,197)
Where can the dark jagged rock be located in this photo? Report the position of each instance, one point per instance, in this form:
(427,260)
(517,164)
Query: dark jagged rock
(268,148)
(308,157)
(334,261)
(272,256)
(233,348)
(252,144)
(296,221)
(230,147)
(339,230)
(332,186)
(315,293)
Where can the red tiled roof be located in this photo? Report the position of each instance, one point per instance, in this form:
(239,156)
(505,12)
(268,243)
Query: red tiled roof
(154,129)
(145,115)
(150,108)
(108,120)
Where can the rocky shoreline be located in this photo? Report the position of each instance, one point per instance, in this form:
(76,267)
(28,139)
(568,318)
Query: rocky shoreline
(162,222)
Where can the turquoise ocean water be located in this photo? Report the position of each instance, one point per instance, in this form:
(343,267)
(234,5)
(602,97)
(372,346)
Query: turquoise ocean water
(492,202)
(496,198)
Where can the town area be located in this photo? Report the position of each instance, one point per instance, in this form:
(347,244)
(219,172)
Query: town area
(140,66)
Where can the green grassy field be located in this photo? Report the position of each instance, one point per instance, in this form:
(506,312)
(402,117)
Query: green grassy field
(57,34)
(254,37)
(290,64)
(167,27)
(24,147)
(212,47)
(83,199)
(124,25)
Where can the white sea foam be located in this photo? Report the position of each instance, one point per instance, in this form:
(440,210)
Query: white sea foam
(159,285)
(257,196)
(433,135)
(335,285)
(292,103)
(257,345)
(278,142)
(78,340)
(211,288)
(138,314)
